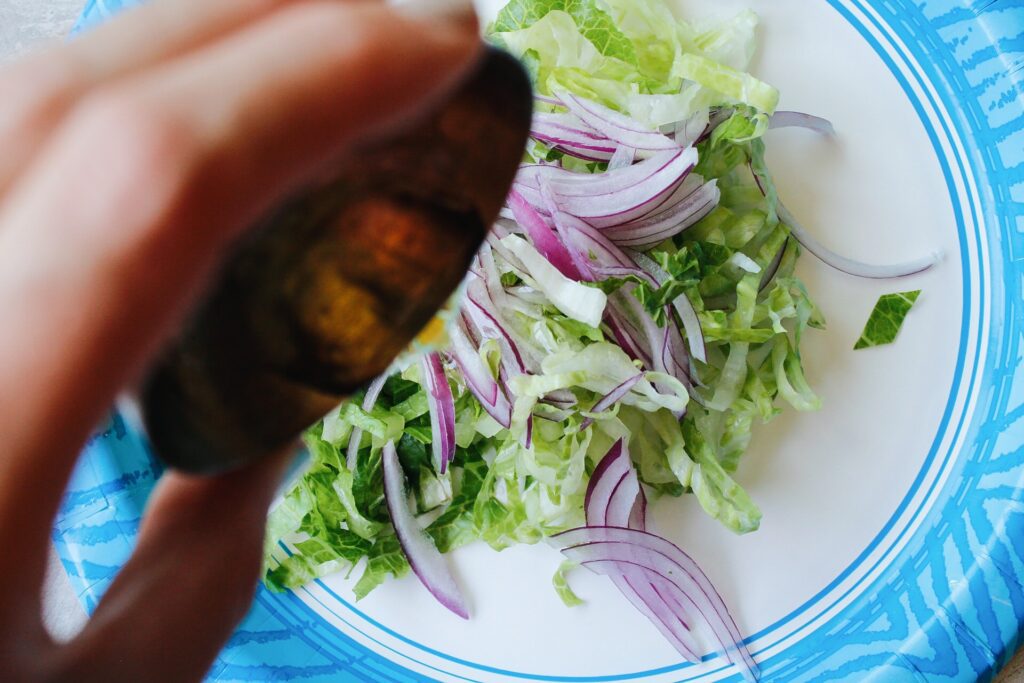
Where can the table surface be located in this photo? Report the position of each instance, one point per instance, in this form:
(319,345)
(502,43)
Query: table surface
(27,25)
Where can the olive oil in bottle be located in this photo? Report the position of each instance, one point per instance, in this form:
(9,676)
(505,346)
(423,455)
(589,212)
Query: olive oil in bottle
(320,297)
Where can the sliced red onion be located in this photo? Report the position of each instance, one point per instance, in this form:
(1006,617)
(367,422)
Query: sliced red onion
(677,217)
(624,498)
(605,204)
(489,277)
(623,157)
(372,394)
(527,294)
(531,195)
(571,135)
(494,244)
(478,378)
(481,320)
(682,305)
(531,175)
(643,596)
(611,398)
(638,515)
(614,490)
(606,272)
(626,335)
(442,411)
(518,354)
(615,126)
(677,352)
(506,225)
(674,605)
(548,100)
(561,398)
(614,497)
(491,328)
(795,119)
(694,332)
(489,298)
(542,236)
(426,561)
(614,466)
(657,343)
(607,549)
(581,259)
(569,121)
(592,242)
(549,413)
(584,184)
(501,409)
(574,144)
(690,131)
(596,256)
(594,253)
(850,266)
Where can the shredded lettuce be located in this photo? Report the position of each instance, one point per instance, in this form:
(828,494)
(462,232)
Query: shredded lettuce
(579,302)
(635,56)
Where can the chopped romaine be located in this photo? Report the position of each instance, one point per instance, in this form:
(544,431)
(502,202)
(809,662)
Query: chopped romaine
(886,319)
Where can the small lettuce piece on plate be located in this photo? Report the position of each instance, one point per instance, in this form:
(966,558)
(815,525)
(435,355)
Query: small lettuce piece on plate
(886,319)
(561,583)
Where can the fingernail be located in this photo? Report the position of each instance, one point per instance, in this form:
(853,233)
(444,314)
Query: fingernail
(453,11)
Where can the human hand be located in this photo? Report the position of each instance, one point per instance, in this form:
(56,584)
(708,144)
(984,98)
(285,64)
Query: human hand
(130,158)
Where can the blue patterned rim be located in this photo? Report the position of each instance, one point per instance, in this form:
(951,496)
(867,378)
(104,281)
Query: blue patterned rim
(937,594)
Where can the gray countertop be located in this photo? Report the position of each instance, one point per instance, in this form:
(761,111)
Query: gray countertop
(26,25)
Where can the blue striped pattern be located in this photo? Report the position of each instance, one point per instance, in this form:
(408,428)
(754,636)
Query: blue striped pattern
(948,607)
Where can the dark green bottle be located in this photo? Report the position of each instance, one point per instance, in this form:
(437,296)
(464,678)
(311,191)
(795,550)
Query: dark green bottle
(320,297)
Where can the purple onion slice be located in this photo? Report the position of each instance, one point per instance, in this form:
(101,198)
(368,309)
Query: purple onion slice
(612,468)
(441,404)
(609,550)
(850,266)
(542,236)
(643,596)
(623,157)
(611,398)
(372,394)
(650,231)
(638,515)
(478,379)
(604,204)
(615,126)
(796,119)
(426,561)
(682,306)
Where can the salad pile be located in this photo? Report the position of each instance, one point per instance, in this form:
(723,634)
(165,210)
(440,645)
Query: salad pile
(632,315)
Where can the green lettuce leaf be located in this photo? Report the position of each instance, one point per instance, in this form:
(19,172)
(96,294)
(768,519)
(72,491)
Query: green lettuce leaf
(635,56)
(560,581)
(383,559)
(592,23)
(886,319)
